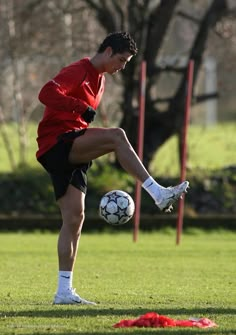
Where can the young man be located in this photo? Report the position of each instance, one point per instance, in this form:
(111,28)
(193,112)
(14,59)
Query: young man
(66,147)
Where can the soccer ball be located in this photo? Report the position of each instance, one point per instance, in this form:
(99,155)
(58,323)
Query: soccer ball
(116,207)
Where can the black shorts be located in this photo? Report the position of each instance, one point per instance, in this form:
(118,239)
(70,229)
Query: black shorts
(62,172)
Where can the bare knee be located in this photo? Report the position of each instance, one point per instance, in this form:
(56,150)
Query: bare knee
(119,136)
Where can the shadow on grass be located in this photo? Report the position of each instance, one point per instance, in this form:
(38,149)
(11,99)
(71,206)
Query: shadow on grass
(72,311)
(145,331)
(85,311)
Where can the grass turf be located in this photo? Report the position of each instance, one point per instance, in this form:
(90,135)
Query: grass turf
(208,148)
(196,278)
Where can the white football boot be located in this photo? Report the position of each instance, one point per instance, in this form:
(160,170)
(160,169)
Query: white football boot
(71,298)
(170,195)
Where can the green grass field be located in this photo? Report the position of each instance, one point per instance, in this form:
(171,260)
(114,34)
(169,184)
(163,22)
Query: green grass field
(208,148)
(126,279)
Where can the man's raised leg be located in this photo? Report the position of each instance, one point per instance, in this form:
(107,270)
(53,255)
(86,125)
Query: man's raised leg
(97,142)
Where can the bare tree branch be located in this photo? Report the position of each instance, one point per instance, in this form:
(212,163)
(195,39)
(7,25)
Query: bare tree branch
(158,24)
(195,99)
(188,17)
(6,141)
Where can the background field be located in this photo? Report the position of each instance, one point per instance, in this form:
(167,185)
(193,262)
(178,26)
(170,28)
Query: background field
(127,279)
(208,148)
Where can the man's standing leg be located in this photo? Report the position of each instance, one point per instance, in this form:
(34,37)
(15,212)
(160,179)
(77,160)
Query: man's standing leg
(72,210)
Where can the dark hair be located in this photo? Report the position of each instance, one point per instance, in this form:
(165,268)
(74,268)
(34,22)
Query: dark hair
(119,42)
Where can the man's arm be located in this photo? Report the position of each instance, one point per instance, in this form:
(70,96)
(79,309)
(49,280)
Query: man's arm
(56,93)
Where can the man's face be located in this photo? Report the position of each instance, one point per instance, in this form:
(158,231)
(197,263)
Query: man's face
(117,62)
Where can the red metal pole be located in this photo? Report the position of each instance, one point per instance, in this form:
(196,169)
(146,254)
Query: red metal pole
(140,140)
(189,85)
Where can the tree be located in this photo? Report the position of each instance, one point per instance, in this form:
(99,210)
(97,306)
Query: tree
(33,35)
(39,37)
(151,22)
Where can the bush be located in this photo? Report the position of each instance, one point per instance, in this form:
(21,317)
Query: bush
(27,191)
(30,191)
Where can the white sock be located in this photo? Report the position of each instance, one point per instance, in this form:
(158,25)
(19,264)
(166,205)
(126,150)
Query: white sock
(64,281)
(153,188)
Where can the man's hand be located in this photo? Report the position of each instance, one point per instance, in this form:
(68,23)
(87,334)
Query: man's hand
(89,114)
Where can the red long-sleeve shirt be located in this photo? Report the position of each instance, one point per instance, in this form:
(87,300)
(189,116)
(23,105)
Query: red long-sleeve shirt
(66,97)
